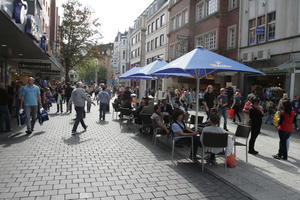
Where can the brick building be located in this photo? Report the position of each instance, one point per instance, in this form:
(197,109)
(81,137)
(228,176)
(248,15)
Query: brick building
(212,24)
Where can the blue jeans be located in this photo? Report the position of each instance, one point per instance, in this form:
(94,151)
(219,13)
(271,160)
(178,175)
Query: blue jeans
(4,111)
(223,112)
(103,110)
(283,136)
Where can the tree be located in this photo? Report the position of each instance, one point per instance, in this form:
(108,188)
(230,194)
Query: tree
(79,34)
(87,69)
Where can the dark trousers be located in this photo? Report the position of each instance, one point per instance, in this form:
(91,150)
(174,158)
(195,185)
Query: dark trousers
(237,113)
(283,136)
(88,107)
(255,131)
(69,106)
(196,143)
(103,110)
(79,118)
(59,106)
(208,113)
(4,111)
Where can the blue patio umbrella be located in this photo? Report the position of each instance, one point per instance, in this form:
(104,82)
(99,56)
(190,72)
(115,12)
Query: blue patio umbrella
(130,74)
(201,63)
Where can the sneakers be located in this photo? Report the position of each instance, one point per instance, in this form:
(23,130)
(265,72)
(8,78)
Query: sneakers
(28,132)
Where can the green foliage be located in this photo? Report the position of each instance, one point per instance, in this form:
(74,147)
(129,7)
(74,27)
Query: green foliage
(87,69)
(79,34)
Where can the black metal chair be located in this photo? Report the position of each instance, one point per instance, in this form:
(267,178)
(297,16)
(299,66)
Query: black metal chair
(192,120)
(214,140)
(126,115)
(146,122)
(242,132)
(176,139)
(116,109)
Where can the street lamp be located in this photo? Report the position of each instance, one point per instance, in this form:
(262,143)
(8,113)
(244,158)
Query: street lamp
(96,72)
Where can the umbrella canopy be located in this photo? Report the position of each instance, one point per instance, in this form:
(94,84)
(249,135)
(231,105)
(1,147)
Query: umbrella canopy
(201,62)
(130,74)
(149,70)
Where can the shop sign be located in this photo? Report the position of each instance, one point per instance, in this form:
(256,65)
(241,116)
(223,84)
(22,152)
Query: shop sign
(20,11)
(260,30)
(32,28)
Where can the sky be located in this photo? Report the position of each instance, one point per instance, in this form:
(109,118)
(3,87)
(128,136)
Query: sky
(114,15)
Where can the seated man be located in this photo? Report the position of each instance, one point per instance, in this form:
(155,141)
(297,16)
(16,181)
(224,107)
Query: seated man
(180,129)
(214,121)
(148,109)
(157,118)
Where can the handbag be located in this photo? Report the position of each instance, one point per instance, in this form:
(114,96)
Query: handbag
(231,113)
(231,161)
(43,116)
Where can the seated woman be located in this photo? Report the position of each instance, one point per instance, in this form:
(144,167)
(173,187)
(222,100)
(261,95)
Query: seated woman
(179,129)
(214,121)
(158,119)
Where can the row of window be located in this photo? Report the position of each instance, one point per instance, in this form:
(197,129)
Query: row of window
(155,25)
(135,53)
(179,20)
(155,43)
(205,8)
(136,39)
(262,29)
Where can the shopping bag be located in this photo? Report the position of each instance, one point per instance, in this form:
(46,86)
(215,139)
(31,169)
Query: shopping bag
(276,119)
(231,161)
(43,116)
(231,113)
(22,118)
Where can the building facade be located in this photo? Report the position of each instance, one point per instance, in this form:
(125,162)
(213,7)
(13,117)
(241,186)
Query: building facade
(120,57)
(23,45)
(270,41)
(211,24)
(105,60)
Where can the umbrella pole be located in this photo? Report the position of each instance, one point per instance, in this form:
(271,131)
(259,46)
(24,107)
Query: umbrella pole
(197,103)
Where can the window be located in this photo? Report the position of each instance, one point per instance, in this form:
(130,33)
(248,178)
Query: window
(260,29)
(232,4)
(124,55)
(138,51)
(174,1)
(156,42)
(124,42)
(271,26)
(178,21)
(149,29)
(173,23)
(200,10)
(148,46)
(185,17)
(231,36)
(161,40)
(152,27)
(252,31)
(157,24)
(152,45)
(212,6)
(207,40)
(162,20)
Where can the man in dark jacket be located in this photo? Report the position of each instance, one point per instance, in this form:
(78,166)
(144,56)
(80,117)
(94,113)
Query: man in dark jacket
(68,92)
(4,102)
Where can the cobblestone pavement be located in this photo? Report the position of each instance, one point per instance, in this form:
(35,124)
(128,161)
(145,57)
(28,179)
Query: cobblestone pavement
(106,162)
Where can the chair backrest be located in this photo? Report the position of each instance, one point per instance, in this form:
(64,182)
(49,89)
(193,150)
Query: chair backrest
(146,119)
(215,140)
(193,119)
(116,107)
(125,111)
(243,131)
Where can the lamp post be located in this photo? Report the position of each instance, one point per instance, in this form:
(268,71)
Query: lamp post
(96,72)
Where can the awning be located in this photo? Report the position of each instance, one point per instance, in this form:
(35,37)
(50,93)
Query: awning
(292,64)
(15,44)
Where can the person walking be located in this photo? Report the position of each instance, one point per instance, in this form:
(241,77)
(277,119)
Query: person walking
(286,122)
(209,100)
(4,110)
(68,93)
(246,110)
(30,101)
(78,98)
(237,104)
(256,116)
(59,100)
(222,106)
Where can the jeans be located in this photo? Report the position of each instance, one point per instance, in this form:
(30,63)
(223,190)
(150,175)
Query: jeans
(60,106)
(88,107)
(255,131)
(237,113)
(79,118)
(103,110)
(4,111)
(69,106)
(31,115)
(223,112)
(283,136)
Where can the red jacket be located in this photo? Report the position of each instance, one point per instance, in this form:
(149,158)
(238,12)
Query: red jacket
(287,123)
